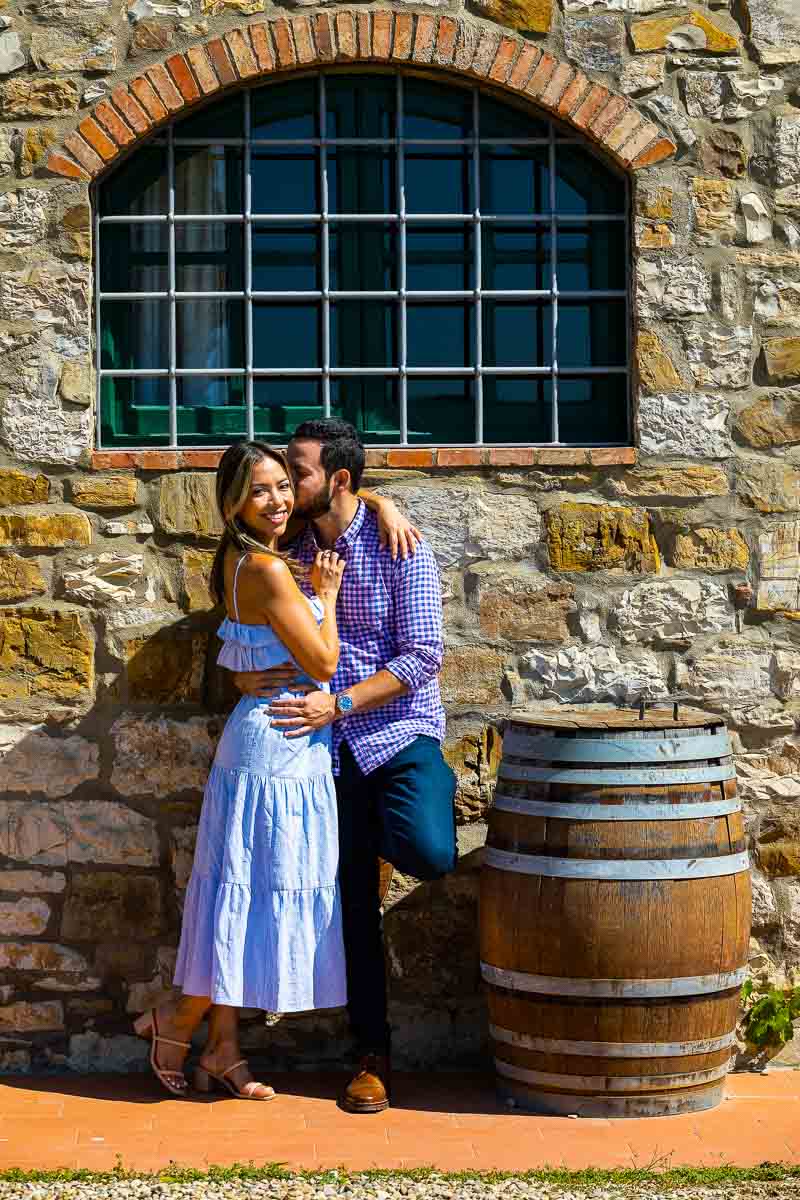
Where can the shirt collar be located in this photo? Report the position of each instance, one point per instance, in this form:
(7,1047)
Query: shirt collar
(350,534)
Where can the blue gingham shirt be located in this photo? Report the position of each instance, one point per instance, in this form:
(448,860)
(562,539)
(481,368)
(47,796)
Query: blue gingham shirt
(390,617)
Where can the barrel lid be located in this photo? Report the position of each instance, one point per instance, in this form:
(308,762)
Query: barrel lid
(570,718)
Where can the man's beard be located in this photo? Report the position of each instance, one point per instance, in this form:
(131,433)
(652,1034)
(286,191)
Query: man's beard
(317,506)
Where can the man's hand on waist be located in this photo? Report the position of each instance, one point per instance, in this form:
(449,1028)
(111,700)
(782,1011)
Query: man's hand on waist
(303,715)
(272,681)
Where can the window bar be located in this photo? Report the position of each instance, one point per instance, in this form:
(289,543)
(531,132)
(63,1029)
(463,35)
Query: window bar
(403,278)
(326,266)
(478,248)
(628,314)
(551,158)
(248,273)
(277,372)
(98,351)
(419,218)
(173,316)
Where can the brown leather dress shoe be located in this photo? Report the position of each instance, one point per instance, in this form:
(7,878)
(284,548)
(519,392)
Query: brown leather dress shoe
(370,1088)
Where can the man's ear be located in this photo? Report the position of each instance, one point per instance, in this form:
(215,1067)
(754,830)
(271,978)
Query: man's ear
(341,480)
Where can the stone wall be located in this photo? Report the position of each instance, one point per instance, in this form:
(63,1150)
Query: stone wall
(580,576)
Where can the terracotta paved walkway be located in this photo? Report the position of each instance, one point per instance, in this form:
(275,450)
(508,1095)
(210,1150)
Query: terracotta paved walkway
(452,1122)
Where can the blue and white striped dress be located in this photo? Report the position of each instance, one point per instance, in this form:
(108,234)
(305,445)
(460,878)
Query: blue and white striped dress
(262,923)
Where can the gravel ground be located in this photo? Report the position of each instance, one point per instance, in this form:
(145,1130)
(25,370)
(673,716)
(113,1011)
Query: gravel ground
(386,1189)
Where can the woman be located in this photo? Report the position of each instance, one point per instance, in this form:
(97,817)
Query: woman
(262,917)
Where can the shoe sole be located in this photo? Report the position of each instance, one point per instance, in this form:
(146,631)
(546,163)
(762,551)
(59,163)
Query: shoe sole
(378,1106)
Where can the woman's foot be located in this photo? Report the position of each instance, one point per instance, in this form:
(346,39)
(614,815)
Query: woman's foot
(224,1064)
(169,1046)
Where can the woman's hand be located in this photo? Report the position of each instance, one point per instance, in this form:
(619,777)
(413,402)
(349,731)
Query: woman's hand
(326,574)
(395,530)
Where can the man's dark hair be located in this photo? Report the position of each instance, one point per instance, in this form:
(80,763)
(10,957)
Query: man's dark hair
(342,448)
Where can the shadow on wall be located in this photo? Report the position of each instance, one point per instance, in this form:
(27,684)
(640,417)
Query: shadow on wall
(96,851)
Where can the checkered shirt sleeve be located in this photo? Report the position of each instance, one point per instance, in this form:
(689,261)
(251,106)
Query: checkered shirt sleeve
(417,602)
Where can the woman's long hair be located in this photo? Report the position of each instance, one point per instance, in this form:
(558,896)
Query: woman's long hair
(234,479)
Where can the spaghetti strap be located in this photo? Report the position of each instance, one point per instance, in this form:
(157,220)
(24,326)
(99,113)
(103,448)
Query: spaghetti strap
(235,582)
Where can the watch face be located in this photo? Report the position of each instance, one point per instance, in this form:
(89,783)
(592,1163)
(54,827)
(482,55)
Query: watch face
(344,703)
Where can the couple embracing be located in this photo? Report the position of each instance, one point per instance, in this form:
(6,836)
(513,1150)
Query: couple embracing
(331,759)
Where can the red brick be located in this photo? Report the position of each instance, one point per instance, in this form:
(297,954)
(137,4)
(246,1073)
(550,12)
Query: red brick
(512,456)
(623,130)
(84,154)
(158,460)
(304,45)
(217,52)
(642,138)
(131,110)
(58,164)
(425,38)
(445,41)
(166,89)
(612,456)
(346,35)
(503,59)
(403,35)
(201,458)
(183,78)
(663,148)
(284,46)
(523,67)
(148,98)
(375,458)
(113,124)
(572,97)
(484,54)
(262,47)
(381,33)
(409,458)
(541,76)
(98,139)
(595,100)
(457,457)
(204,73)
(605,121)
(243,57)
(324,37)
(559,82)
(561,456)
(364,34)
(110,460)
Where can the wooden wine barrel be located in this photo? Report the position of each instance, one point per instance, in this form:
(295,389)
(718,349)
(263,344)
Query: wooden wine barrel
(615,913)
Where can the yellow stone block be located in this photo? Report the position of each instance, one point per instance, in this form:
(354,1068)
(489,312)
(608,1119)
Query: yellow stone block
(46,653)
(655,237)
(54,530)
(20,577)
(103,491)
(674,33)
(655,203)
(711,550)
(656,369)
(196,572)
(166,668)
(712,201)
(535,16)
(598,537)
(18,488)
(782,359)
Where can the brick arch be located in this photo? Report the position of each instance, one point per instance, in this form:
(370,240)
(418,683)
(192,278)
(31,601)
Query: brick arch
(275,47)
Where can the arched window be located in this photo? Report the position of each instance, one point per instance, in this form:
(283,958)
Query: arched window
(434,265)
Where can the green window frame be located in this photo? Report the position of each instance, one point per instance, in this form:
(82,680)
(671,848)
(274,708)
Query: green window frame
(429,261)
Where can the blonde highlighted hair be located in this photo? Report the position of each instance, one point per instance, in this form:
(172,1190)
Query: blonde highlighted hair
(234,480)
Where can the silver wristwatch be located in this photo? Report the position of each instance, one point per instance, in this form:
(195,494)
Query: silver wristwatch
(344,704)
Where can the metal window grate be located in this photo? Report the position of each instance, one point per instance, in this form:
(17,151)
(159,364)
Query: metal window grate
(554,221)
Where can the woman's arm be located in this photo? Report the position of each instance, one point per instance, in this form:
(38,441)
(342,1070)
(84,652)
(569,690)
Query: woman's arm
(395,530)
(314,648)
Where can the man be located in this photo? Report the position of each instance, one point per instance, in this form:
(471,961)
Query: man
(395,792)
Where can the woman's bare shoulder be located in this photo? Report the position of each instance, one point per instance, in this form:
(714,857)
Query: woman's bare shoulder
(268,569)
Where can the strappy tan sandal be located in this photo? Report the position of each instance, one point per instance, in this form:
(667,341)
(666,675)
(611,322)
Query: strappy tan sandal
(146,1026)
(205,1079)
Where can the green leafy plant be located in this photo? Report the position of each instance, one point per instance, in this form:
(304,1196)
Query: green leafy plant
(768,1017)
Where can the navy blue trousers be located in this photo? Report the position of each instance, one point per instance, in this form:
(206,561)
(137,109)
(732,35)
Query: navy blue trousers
(403,812)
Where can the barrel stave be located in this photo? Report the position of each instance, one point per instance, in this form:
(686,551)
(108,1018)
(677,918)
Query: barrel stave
(702,837)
